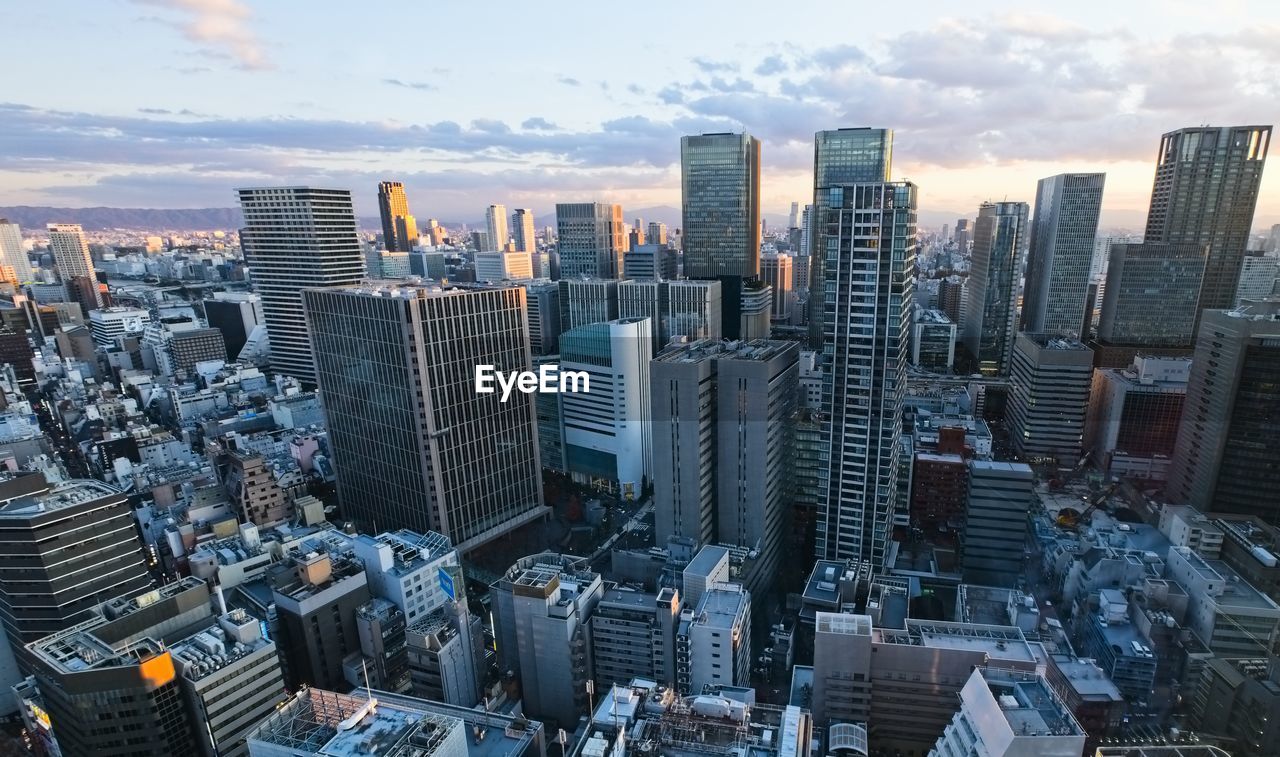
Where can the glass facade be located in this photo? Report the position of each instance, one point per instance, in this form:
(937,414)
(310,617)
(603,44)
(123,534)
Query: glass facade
(720,180)
(999,244)
(1151,294)
(1062,236)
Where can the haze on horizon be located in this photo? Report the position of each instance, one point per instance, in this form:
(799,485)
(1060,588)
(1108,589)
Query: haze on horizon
(173,103)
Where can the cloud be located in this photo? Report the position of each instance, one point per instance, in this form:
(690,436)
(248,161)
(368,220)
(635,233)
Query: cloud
(538,123)
(221,24)
(714,66)
(635,89)
(420,85)
(774,64)
(568,81)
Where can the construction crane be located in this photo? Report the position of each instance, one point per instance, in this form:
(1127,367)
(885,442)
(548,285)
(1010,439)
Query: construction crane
(1069,518)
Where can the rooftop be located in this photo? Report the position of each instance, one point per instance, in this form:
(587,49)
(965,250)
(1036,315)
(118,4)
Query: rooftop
(1000,642)
(409,289)
(234,637)
(722,606)
(1238,592)
(323,723)
(707,349)
(1087,679)
(844,623)
(60,496)
(1029,704)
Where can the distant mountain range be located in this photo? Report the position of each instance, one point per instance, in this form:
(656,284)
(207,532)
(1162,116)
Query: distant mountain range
(97,219)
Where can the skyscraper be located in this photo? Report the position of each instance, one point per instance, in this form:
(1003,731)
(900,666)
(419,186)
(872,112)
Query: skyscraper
(962,234)
(12,253)
(1225,456)
(866,229)
(1149,301)
(793,220)
(495,221)
(999,243)
(657,233)
(295,238)
(522,230)
(399,230)
(590,240)
(720,181)
(1205,192)
(1066,220)
(776,271)
(1049,398)
(71,256)
(414,444)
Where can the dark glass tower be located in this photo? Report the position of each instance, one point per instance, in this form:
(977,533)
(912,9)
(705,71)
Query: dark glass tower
(720,180)
(999,243)
(1062,235)
(1205,192)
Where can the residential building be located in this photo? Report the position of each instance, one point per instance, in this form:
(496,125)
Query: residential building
(591,240)
(399,230)
(999,247)
(1090,696)
(1133,416)
(1050,396)
(414,445)
(1224,459)
(713,642)
(996,521)
(1061,252)
(297,238)
(235,314)
(633,635)
(1008,713)
(495,221)
(12,252)
(522,231)
(71,256)
(720,187)
(383,657)
(446,650)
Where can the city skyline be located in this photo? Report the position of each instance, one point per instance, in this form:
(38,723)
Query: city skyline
(986,107)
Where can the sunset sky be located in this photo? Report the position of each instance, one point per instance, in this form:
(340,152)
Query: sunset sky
(173,103)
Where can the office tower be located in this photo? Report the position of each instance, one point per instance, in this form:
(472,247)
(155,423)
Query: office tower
(714,647)
(1134,414)
(864,289)
(397,364)
(1258,276)
(399,230)
(495,221)
(776,271)
(1050,379)
(522,230)
(186,348)
(428,265)
(720,184)
(71,256)
(999,243)
(234,314)
(447,651)
(591,243)
(1149,301)
(995,523)
(542,298)
(635,235)
(70,546)
(806,239)
(503,266)
(633,635)
(694,310)
(721,441)
(607,435)
(231,678)
(1006,713)
(1204,193)
(1061,251)
(15,350)
(653,262)
(316,596)
(1225,455)
(587,301)
(542,609)
(110,685)
(657,234)
(296,238)
(12,252)
(933,343)
(841,158)
(962,235)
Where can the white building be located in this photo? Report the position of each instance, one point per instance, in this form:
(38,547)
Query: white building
(1006,713)
(713,644)
(504,266)
(403,567)
(495,220)
(71,255)
(109,323)
(1258,276)
(12,252)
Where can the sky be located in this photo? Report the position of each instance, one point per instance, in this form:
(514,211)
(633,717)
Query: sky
(174,103)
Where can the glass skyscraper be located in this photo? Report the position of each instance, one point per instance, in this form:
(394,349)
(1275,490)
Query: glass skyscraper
(1062,236)
(590,240)
(999,244)
(866,242)
(399,229)
(720,180)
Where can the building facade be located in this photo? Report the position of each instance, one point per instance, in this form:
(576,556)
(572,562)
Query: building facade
(720,186)
(591,241)
(1061,252)
(999,247)
(1049,399)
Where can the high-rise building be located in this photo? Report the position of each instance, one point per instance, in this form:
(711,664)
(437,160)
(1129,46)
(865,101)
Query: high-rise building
(841,157)
(1259,275)
(1066,220)
(995,522)
(1149,299)
(584,301)
(590,240)
(714,645)
(720,184)
(776,271)
(108,323)
(864,289)
(1134,414)
(495,221)
(793,220)
(414,444)
(12,253)
(71,255)
(1225,455)
(999,245)
(1049,399)
(399,230)
(933,341)
(296,238)
(657,234)
(235,314)
(650,262)
(504,266)
(542,298)
(1205,192)
(522,230)
(1007,713)
(70,547)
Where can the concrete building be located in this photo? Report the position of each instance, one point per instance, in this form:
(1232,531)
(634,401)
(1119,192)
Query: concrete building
(720,187)
(999,247)
(403,567)
(1061,251)
(316,595)
(399,230)
(495,221)
(1258,276)
(591,240)
(542,299)
(633,635)
(109,323)
(710,566)
(933,341)
(1233,618)
(383,658)
(504,266)
(71,256)
(713,642)
(1008,713)
(446,650)
(1224,459)
(415,446)
(996,521)
(1051,379)
(1133,418)
(657,233)
(1239,700)
(650,262)
(522,231)
(584,301)
(296,238)
(542,609)
(235,314)
(1090,696)
(777,271)
(1149,300)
